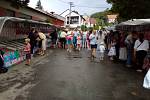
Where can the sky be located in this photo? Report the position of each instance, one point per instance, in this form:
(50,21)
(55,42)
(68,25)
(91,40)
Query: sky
(84,7)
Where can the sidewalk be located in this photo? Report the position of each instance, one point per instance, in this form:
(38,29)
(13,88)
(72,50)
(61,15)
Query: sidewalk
(18,79)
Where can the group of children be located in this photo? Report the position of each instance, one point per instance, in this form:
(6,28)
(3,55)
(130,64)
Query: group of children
(78,40)
(75,40)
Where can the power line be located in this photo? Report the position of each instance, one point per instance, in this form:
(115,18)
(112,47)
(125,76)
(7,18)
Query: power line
(63,1)
(89,6)
(83,6)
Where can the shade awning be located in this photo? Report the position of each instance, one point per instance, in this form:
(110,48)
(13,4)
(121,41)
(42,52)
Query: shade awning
(134,25)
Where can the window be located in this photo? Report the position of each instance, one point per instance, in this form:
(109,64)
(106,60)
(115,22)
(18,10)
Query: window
(73,20)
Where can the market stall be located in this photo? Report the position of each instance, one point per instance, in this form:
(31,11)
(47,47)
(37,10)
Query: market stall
(137,25)
(12,33)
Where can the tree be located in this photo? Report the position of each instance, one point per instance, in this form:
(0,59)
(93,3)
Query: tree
(19,3)
(39,5)
(131,9)
(101,17)
(83,28)
(96,27)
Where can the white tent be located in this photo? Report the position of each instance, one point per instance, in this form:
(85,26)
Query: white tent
(134,25)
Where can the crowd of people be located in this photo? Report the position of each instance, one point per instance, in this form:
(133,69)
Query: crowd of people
(131,47)
(128,47)
(35,43)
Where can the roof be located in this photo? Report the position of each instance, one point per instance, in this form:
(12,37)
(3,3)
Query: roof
(43,12)
(48,14)
(135,22)
(15,19)
(134,25)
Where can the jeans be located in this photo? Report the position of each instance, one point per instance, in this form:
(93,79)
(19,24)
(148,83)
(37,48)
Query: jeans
(75,42)
(129,56)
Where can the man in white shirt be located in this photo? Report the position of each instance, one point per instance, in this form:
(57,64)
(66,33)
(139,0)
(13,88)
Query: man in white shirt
(63,35)
(140,51)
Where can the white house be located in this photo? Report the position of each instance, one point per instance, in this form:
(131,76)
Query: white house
(76,20)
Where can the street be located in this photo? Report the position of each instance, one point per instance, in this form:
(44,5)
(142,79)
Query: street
(63,76)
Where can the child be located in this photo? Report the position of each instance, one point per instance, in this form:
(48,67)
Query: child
(27,51)
(69,41)
(112,51)
(79,42)
(102,50)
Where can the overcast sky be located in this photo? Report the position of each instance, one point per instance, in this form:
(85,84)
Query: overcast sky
(82,6)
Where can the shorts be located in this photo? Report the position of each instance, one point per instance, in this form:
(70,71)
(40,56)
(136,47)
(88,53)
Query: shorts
(93,46)
(28,56)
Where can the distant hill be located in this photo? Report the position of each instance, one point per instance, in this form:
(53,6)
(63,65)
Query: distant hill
(101,17)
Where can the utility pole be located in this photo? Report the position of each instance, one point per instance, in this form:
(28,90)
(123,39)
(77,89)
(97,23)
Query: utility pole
(70,9)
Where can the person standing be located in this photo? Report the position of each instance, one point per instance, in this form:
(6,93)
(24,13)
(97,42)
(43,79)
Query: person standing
(93,43)
(75,39)
(32,37)
(112,51)
(27,50)
(63,35)
(140,51)
(123,49)
(129,44)
(88,40)
(79,42)
(102,50)
(69,41)
(84,41)
(42,38)
(54,37)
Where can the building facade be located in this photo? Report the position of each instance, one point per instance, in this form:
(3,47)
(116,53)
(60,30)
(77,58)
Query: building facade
(76,20)
(6,9)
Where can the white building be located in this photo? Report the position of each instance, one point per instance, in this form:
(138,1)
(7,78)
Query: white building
(76,20)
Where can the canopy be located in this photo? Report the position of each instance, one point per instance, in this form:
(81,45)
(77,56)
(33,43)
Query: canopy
(3,21)
(134,25)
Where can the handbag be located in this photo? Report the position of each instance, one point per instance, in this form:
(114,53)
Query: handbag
(146,83)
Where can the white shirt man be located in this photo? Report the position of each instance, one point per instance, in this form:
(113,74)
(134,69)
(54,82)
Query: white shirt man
(141,46)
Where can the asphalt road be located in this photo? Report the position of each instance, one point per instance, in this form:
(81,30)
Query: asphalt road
(62,76)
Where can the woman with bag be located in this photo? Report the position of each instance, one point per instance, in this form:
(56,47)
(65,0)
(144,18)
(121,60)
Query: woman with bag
(93,43)
(140,51)
(112,51)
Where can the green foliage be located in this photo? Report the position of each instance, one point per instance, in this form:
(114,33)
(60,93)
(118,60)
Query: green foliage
(83,28)
(39,5)
(101,17)
(19,3)
(96,27)
(131,9)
